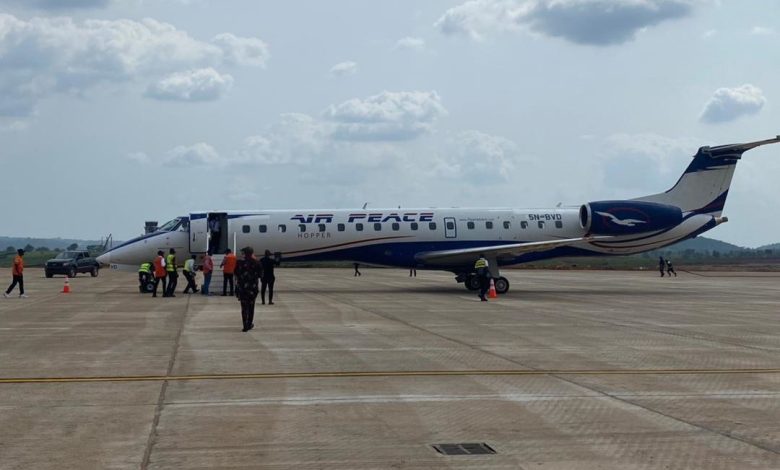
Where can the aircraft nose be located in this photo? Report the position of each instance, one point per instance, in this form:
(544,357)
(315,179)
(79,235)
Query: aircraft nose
(104,259)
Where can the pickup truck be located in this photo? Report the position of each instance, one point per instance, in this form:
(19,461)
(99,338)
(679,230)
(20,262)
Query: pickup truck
(71,263)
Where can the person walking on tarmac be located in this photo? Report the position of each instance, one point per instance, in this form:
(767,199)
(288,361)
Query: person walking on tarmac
(17,275)
(207,268)
(661,265)
(248,271)
(268,278)
(173,274)
(189,274)
(228,266)
(669,268)
(144,276)
(357,269)
(483,273)
(159,273)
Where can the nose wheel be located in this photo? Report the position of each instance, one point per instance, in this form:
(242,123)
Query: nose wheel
(502,285)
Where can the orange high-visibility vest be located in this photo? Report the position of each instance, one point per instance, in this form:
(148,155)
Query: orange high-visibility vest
(18,267)
(159,269)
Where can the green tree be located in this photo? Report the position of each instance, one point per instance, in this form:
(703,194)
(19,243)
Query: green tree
(42,248)
(29,247)
(10,249)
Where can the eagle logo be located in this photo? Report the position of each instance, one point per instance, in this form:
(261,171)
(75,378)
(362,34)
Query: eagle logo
(623,222)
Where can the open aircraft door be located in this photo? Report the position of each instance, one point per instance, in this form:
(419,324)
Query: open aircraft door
(199,236)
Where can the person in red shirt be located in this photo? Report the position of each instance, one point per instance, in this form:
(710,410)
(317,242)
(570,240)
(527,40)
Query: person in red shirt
(207,268)
(228,268)
(159,273)
(17,271)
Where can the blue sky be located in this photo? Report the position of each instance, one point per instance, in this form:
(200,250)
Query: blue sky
(113,112)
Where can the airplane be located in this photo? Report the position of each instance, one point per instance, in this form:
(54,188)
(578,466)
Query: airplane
(452,239)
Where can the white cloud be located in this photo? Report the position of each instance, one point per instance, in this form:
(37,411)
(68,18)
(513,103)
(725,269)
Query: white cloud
(387,116)
(58,4)
(344,68)
(476,156)
(295,139)
(200,154)
(242,51)
(138,157)
(762,31)
(728,104)
(590,22)
(46,55)
(410,43)
(193,85)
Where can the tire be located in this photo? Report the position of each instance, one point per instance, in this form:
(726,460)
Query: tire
(49,275)
(94,271)
(502,285)
(149,286)
(472,283)
(72,272)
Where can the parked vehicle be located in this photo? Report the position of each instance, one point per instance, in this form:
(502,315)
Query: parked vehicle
(70,263)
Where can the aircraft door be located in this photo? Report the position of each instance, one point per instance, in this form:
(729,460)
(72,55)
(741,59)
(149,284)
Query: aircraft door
(450,229)
(199,238)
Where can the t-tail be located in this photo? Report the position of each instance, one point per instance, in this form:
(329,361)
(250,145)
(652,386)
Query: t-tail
(703,187)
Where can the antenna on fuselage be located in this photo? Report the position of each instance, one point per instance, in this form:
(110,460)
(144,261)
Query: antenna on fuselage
(365,204)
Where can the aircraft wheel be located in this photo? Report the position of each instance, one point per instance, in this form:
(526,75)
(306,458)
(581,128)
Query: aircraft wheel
(472,283)
(502,285)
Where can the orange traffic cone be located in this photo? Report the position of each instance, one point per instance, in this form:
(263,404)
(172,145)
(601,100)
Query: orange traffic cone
(492,292)
(66,287)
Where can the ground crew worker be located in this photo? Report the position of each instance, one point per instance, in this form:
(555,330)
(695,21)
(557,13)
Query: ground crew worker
(207,268)
(228,266)
(173,274)
(357,270)
(159,273)
(661,265)
(268,278)
(189,274)
(670,268)
(17,274)
(144,276)
(481,266)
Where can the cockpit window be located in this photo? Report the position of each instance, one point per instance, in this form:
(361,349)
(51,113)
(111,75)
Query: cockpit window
(185,225)
(170,226)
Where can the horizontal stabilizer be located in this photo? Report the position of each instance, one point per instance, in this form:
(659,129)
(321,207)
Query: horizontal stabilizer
(499,252)
(736,148)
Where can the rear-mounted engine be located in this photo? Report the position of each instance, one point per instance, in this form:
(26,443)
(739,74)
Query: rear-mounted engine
(627,217)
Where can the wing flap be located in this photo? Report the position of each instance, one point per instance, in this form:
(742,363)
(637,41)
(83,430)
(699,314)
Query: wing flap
(499,252)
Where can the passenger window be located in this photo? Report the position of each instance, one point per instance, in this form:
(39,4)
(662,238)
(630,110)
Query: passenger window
(359,227)
(245,228)
(470,225)
(432,225)
(301,228)
(450,225)
(263,228)
(341,227)
(396,226)
(377,227)
(321,227)
(282,228)
(506,225)
(414,225)
(558,224)
(541,224)
(489,225)
(523,225)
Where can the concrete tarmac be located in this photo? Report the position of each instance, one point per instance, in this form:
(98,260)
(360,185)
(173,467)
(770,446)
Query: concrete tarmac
(570,370)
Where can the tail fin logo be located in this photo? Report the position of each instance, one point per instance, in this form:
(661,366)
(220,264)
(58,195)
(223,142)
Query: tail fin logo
(621,222)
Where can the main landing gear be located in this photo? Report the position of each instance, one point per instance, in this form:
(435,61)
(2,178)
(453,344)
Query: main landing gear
(471,281)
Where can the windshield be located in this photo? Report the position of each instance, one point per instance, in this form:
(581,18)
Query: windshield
(170,225)
(67,255)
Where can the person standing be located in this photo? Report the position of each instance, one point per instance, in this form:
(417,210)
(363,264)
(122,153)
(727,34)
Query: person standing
(215,230)
(268,278)
(17,275)
(189,274)
(413,271)
(159,273)
(669,268)
(207,268)
(173,274)
(357,270)
(483,272)
(228,266)
(248,271)
(661,265)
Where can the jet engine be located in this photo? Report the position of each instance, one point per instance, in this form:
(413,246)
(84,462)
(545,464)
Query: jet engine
(627,217)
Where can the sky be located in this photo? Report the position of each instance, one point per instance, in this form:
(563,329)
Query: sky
(114,112)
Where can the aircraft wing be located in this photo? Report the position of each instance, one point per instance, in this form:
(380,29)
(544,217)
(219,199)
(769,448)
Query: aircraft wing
(499,252)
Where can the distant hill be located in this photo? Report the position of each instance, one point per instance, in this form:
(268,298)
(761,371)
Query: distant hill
(773,246)
(705,245)
(51,243)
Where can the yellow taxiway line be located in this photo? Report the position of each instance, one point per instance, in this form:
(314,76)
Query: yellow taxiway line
(358,374)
